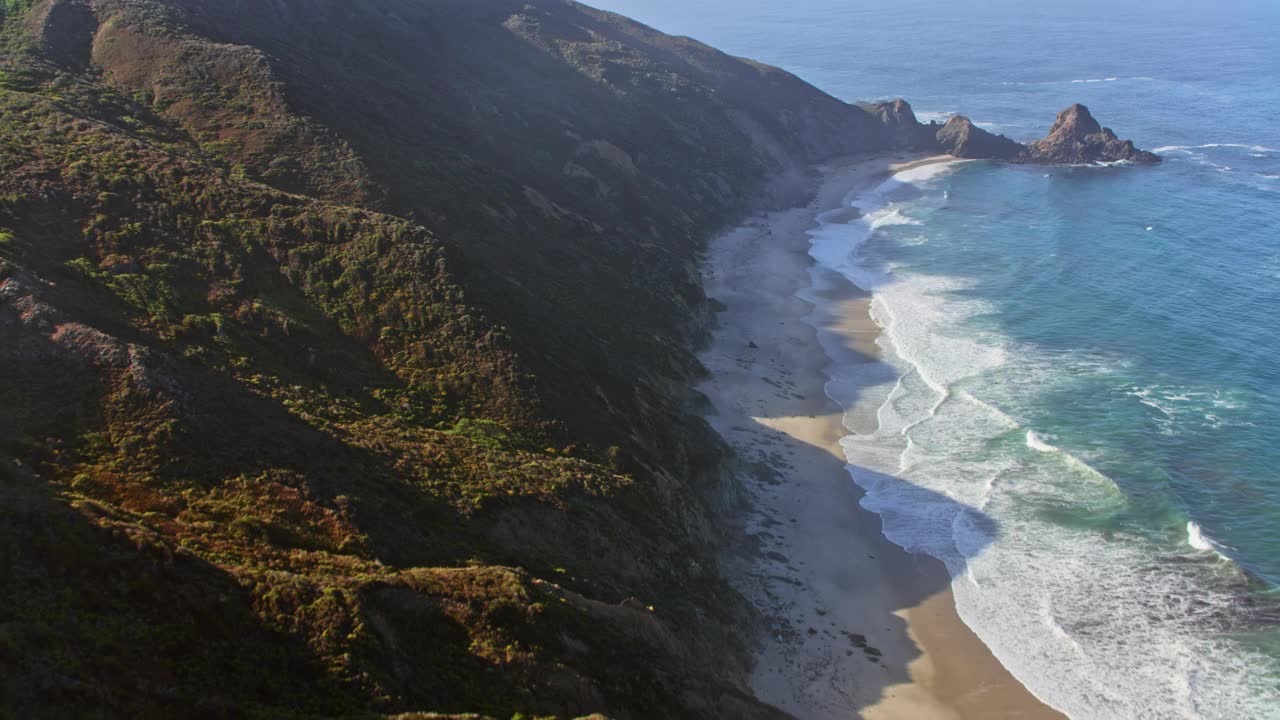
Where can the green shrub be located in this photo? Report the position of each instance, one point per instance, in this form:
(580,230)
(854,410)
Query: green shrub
(251,528)
(486,433)
(13,8)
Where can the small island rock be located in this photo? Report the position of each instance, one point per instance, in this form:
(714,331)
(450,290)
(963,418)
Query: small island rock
(1076,137)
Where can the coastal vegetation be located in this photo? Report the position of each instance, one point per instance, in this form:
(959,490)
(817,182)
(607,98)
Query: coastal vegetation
(346,354)
(312,414)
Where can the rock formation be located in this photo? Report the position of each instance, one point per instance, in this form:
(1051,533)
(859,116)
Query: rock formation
(961,138)
(904,130)
(1076,137)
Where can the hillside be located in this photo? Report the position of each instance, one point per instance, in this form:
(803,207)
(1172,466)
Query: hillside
(345,352)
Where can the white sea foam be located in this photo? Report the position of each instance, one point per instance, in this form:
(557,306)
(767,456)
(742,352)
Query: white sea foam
(835,246)
(926,116)
(1081,81)
(1180,408)
(1035,443)
(891,217)
(918,174)
(1112,79)
(1094,625)
(1196,538)
(1219,155)
(1188,148)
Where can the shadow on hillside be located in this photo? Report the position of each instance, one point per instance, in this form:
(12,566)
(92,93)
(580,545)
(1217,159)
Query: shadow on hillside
(97,614)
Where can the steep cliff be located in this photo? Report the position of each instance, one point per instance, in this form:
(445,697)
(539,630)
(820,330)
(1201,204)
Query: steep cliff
(345,352)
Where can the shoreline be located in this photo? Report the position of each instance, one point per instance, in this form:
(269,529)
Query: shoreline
(857,626)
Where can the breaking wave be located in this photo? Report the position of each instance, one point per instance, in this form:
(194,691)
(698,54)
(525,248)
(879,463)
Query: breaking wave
(1098,624)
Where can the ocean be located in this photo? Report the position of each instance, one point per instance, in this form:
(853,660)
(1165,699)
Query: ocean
(1084,362)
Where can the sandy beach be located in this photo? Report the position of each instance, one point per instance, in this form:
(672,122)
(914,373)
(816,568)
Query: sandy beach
(857,626)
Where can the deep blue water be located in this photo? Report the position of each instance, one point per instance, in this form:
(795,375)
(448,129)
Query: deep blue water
(1087,356)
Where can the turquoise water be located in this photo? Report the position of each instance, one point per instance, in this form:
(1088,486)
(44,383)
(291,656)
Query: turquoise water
(1084,358)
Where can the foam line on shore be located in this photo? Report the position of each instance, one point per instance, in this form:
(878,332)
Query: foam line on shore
(823,562)
(932,433)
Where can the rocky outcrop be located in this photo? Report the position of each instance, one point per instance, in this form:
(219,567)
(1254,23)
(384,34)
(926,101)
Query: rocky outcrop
(65,31)
(961,138)
(904,130)
(1077,138)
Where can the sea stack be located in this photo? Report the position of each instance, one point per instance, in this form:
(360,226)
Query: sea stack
(1077,138)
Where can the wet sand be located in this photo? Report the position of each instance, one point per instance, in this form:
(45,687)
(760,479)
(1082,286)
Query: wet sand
(857,626)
